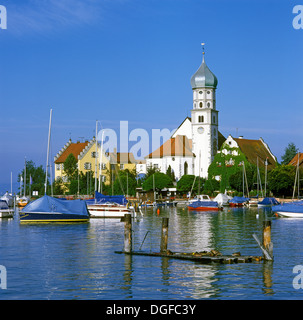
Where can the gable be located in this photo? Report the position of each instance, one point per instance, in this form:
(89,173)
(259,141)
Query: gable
(184,129)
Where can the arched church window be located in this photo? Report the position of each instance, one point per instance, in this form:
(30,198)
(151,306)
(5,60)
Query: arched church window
(201,105)
(185,167)
(208,104)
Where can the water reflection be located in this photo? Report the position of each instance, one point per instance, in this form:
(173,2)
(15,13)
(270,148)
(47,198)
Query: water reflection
(77,261)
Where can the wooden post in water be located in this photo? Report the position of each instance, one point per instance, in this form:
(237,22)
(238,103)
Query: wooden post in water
(127,233)
(164,235)
(267,244)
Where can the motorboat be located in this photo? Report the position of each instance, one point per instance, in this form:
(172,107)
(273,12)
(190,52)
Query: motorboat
(203,203)
(8,197)
(5,211)
(268,202)
(289,209)
(103,206)
(238,201)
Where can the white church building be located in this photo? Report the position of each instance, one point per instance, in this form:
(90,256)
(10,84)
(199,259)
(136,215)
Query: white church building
(192,147)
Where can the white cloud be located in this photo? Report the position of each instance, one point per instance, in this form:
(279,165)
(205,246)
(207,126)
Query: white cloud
(51,15)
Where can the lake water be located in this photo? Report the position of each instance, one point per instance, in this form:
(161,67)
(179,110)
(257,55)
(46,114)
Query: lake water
(77,261)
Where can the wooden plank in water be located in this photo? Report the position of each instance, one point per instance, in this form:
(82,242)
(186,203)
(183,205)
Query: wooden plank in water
(227,259)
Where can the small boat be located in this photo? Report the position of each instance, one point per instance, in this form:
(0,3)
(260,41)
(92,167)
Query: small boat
(203,203)
(22,202)
(268,202)
(222,199)
(5,211)
(238,201)
(8,198)
(253,202)
(104,206)
(148,204)
(50,209)
(290,209)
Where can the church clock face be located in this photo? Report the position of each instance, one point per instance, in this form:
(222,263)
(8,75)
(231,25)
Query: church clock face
(200,130)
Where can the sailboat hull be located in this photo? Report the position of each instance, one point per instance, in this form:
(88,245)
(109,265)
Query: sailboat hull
(51,217)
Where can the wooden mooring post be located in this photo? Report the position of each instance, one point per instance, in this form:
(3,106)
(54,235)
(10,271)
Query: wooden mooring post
(128,243)
(164,235)
(212,256)
(267,244)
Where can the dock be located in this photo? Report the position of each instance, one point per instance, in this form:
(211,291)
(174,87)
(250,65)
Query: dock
(204,257)
(197,257)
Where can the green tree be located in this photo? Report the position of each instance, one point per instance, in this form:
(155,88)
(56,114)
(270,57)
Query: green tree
(210,186)
(186,184)
(290,151)
(281,180)
(150,170)
(70,166)
(170,173)
(35,178)
(161,181)
(126,180)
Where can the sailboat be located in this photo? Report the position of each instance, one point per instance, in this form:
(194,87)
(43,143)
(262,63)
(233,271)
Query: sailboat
(292,209)
(50,209)
(103,206)
(240,201)
(202,202)
(23,201)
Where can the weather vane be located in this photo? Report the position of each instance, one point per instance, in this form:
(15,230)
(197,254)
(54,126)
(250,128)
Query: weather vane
(203,44)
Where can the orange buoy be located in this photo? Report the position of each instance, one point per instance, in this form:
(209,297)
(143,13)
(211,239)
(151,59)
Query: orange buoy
(158,211)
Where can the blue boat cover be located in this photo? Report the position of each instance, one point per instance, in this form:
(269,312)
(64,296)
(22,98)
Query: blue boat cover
(269,201)
(238,199)
(295,206)
(101,198)
(50,204)
(197,204)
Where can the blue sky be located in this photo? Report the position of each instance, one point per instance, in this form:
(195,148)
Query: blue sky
(132,60)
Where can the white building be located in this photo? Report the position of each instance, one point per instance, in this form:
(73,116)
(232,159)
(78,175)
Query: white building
(192,147)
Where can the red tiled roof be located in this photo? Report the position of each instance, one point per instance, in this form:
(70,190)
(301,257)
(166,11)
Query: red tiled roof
(178,146)
(74,148)
(294,161)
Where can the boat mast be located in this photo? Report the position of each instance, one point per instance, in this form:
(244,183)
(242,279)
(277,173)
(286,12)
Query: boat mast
(297,175)
(24,183)
(100,164)
(47,154)
(96,159)
(266,164)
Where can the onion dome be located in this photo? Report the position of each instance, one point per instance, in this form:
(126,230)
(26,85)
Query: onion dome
(203,78)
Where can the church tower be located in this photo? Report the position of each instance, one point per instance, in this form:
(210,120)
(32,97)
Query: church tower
(204,118)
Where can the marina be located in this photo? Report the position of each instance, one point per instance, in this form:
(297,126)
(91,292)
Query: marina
(78,261)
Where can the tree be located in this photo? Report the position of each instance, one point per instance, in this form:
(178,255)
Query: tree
(186,184)
(35,178)
(161,181)
(170,173)
(70,166)
(290,151)
(281,180)
(150,170)
(125,181)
